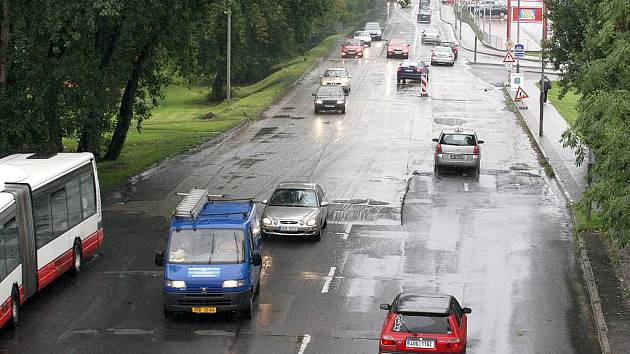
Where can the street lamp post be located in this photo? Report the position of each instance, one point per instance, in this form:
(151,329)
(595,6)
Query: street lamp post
(518,32)
(229,53)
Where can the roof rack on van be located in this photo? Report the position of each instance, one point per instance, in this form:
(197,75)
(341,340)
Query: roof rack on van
(192,204)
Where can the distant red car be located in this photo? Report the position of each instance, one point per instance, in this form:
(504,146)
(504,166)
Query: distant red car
(424,324)
(398,48)
(352,48)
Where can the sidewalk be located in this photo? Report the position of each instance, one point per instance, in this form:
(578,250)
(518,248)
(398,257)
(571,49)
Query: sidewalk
(606,288)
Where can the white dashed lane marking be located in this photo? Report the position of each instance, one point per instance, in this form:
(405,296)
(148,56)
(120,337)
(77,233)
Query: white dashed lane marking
(329,279)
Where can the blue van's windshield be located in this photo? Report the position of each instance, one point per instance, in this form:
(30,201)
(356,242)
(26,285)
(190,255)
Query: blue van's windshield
(206,246)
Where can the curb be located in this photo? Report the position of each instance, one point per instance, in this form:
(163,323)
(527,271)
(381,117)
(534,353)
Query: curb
(589,277)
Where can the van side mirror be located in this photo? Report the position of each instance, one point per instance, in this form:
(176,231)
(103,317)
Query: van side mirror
(313,94)
(159,258)
(385,307)
(256,258)
(264,201)
(324,204)
(480,142)
(467,310)
(435,140)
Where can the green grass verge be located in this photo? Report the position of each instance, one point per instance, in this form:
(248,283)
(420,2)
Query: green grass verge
(581,222)
(180,121)
(565,106)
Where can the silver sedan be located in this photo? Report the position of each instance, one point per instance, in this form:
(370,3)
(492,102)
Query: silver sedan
(458,148)
(295,209)
(442,55)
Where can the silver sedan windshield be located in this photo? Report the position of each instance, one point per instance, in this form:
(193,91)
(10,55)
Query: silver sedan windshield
(294,198)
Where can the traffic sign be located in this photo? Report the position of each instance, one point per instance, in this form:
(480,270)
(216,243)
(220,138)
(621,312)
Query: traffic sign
(519,50)
(509,58)
(516,80)
(508,66)
(520,95)
(509,45)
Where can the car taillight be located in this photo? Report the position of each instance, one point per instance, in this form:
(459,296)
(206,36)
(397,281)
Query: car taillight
(388,340)
(438,149)
(454,344)
(476,150)
(433,54)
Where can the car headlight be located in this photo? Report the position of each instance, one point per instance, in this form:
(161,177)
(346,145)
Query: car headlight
(233,283)
(178,284)
(339,102)
(311,222)
(267,221)
(318,101)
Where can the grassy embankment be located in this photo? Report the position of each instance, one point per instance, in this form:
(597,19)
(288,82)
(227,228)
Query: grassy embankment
(181,121)
(565,106)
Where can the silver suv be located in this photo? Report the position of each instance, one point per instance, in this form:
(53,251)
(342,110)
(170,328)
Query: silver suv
(458,148)
(295,209)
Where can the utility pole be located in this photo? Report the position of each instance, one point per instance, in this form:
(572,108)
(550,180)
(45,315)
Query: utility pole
(4,44)
(518,32)
(229,52)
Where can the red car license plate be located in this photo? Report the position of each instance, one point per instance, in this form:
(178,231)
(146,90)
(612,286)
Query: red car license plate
(420,343)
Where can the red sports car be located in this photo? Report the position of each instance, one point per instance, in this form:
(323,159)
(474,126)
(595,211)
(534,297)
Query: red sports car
(424,324)
(352,48)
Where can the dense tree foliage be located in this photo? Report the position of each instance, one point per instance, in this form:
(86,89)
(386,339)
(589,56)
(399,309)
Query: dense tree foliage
(89,70)
(591,45)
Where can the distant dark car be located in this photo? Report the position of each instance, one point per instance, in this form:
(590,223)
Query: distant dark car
(453,45)
(425,3)
(398,48)
(494,10)
(352,48)
(330,98)
(424,15)
(418,323)
(411,70)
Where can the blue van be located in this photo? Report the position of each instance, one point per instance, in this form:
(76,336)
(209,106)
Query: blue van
(212,259)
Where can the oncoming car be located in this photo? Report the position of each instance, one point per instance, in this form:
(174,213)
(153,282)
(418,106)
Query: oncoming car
(364,36)
(295,209)
(336,76)
(424,324)
(330,98)
(352,48)
(458,148)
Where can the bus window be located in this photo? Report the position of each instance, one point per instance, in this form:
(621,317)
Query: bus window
(59,212)
(73,193)
(9,234)
(3,259)
(43,226)
(88,197)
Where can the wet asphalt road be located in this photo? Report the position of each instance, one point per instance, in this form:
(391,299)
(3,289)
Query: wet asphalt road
(501,244)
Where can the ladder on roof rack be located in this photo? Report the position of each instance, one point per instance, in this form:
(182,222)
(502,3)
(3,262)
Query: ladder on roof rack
(192,204)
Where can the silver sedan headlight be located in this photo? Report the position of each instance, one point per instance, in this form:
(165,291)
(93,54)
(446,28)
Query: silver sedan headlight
(267,221)
(311,222)
(319,101)
(339,102)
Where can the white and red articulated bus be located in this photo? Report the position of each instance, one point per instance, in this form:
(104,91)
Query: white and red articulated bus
(50,221)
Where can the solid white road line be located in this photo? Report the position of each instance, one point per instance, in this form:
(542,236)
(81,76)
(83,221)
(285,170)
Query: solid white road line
(465,187)
(305,340)
(329,278)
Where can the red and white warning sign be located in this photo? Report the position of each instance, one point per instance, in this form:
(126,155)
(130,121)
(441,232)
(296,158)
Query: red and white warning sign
(509,58)
(520,95)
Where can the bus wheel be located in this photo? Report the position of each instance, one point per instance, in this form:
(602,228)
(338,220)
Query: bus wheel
(77,259)
(15,308)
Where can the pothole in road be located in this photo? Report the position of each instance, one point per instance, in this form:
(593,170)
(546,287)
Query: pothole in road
(449,121)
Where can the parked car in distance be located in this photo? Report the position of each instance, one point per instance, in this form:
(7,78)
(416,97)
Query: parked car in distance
(424,15)
(295,209)
(336,76)
(417,323)
(457,148)
(442,55)
(330,98)
(431,35)
(352,48)
(375,30)
(453,45)
(426,3)
(494,10)
(411,70)
(398,48)
(364,36)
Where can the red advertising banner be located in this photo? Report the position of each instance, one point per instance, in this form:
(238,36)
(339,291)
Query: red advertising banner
(527,14)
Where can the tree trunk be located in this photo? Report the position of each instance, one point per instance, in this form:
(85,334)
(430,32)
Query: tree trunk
(4,45)
(125,114)
(92,129)
(218,92)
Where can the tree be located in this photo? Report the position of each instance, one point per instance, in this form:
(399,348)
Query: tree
(591,46)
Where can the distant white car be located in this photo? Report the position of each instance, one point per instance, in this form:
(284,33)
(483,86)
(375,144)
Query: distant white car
(364,36)
(374,28)
(431,35)
(442,55)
